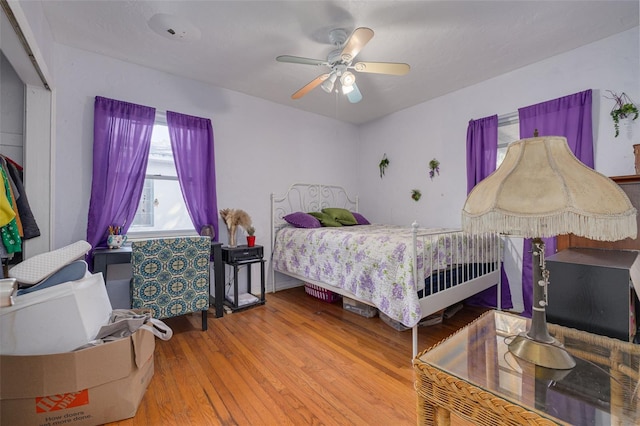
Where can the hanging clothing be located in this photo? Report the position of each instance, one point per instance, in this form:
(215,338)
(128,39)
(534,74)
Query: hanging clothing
(6,211)
(30,228)
(14,197)
(9,233)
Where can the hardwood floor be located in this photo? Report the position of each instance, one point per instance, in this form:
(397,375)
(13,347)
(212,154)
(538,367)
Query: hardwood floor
(294,361)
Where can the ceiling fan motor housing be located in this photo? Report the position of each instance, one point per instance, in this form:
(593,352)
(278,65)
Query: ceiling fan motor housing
(338,36)
(334,56)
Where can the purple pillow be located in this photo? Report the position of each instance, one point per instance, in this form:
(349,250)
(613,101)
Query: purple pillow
(302,220)
(360,219)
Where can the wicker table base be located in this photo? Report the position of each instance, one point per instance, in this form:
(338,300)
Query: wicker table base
(472,375)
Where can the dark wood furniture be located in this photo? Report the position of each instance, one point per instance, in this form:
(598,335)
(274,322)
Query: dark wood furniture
(631,186)
(103,257)
(592,290)
(590,285)
(241,256)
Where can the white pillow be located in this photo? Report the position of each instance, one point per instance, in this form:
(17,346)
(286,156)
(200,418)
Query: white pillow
(39,267)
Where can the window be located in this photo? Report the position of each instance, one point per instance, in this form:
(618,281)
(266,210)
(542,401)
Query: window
(162,210)
(508,131)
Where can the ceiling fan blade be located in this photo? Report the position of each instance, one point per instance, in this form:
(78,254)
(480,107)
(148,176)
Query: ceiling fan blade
(310,86)
(354,96)
(391,68)
(357,40)
(299,60)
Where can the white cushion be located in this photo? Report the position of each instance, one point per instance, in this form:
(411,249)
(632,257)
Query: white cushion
(39,267)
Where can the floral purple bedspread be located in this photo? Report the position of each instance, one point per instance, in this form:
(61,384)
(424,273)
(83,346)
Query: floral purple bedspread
(373,262)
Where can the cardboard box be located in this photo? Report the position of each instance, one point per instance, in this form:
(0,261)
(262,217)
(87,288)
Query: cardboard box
(92,386)
(57,319)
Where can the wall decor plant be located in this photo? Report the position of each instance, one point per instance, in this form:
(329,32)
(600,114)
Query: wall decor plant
(624,108)
(384,163)
(434,167)
(416,194)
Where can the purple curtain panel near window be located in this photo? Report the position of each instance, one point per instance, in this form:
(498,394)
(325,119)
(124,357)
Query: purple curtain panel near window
(482,150)
(569,116)
(121,140)
(192,145)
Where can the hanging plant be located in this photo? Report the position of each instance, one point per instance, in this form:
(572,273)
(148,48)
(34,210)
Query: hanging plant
(384,163)
(416,194)
(434,167)
(623,108)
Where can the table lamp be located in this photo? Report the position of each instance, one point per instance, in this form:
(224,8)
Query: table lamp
(542,190)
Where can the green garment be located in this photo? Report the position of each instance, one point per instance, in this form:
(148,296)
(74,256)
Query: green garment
(10,235)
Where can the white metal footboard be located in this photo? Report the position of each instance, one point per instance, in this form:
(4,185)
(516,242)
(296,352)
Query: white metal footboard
(452,266)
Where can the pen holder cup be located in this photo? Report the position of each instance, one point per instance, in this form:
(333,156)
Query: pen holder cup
(116,241)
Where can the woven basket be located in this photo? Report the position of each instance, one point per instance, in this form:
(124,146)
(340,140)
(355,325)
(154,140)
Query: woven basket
(321,293)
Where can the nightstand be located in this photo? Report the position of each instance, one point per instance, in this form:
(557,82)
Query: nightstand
(240,256)
(592,290)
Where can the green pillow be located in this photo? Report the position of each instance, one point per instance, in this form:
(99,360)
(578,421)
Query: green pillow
(343,216)
(325,219)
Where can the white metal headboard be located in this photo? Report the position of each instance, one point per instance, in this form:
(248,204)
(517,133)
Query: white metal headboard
(305,197)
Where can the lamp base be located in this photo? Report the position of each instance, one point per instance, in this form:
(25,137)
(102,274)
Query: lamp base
(548,355)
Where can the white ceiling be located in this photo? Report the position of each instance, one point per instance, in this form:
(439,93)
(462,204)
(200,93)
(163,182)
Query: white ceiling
(449,44)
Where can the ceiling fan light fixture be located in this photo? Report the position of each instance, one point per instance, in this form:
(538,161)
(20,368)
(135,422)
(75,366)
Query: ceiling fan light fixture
(347,89)
(347,79)
(327,85)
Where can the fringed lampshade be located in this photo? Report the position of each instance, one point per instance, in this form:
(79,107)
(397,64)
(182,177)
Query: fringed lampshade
(542,190)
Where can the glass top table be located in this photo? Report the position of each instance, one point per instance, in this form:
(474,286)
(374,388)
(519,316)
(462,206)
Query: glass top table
(473,375)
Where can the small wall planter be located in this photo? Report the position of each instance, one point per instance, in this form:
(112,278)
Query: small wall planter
(624,108)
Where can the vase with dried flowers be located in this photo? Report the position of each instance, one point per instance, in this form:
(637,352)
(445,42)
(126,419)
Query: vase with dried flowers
(234,218)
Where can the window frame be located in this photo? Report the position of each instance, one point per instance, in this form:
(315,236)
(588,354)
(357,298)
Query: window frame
(506,120)
(160,119)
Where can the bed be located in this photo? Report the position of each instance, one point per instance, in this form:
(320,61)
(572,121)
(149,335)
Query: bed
(374,263)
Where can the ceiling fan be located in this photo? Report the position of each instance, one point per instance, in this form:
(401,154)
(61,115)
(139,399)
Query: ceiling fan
(340,62)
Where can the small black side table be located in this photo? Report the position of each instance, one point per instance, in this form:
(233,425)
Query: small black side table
(239,256)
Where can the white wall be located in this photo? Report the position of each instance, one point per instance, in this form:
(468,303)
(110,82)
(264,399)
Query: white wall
(437,129)
(260,147)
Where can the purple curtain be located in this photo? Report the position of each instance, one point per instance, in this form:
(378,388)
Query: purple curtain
(121,140)
(192,145)
(482,150)
(569,116)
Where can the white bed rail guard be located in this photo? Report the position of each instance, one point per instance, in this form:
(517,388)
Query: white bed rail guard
(450,266)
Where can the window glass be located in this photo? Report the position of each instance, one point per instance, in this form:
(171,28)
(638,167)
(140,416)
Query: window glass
(508,131)
(162,210)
